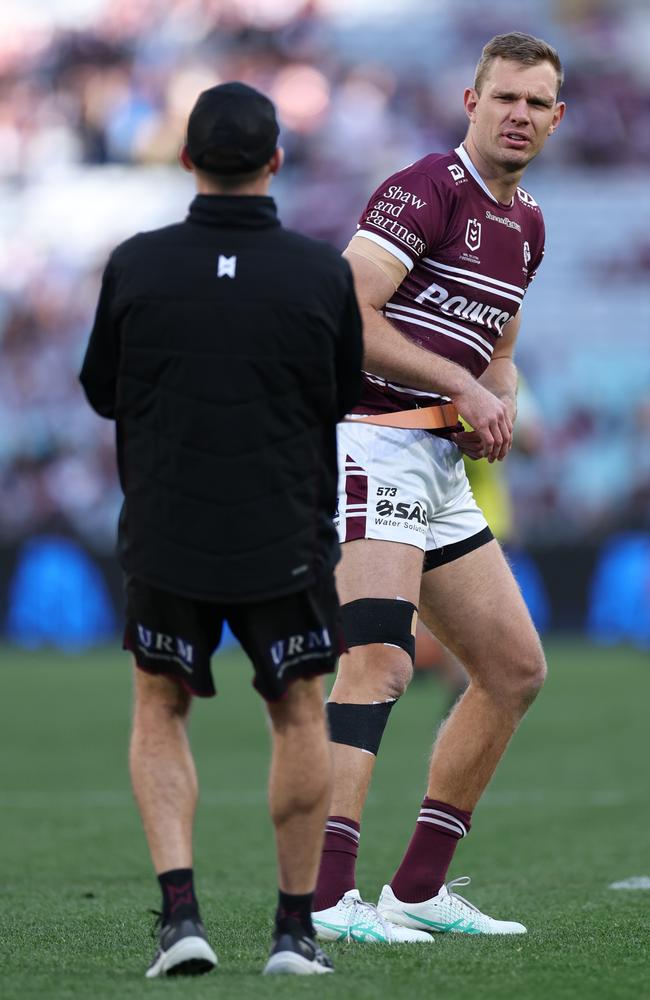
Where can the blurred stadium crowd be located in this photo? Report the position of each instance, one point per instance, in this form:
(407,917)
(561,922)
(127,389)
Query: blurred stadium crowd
(93,100)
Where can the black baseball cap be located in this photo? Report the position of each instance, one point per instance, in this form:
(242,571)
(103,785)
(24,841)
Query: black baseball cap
(232,129)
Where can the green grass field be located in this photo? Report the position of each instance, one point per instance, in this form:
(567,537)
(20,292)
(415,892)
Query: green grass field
(567,814)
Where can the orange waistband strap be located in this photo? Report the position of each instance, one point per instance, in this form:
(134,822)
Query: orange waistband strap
(424,418)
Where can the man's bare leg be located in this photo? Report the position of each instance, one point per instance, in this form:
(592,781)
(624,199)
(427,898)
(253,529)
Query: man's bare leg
(165,788)
(300,783)
(474,605)
(162,769)
(366,675)
(373,673)
(299,792)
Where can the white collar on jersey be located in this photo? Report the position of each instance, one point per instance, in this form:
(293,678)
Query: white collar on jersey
(463,155)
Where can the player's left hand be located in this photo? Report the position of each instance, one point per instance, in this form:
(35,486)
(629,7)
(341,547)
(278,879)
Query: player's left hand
(471,445)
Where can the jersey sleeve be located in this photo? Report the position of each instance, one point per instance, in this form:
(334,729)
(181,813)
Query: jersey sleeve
(405,216)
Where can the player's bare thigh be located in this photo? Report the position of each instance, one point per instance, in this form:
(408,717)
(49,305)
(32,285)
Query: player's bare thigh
(474,606)
(159,694)
(373,568)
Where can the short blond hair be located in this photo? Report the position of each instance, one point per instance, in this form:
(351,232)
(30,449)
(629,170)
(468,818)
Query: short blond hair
(518,47)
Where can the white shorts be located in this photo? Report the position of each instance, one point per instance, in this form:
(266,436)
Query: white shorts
(406,486)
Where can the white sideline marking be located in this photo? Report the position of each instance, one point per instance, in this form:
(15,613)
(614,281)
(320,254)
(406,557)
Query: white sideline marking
(504,798)
(635,882)
(545,797)
(97,798)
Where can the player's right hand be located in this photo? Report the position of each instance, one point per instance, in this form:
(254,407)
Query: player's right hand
(490,418)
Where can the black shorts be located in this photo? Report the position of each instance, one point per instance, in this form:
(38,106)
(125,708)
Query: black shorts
(285,638)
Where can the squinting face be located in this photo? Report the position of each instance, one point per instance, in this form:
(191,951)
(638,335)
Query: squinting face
(514,114)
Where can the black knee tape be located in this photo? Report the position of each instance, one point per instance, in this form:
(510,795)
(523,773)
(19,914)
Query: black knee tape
(359,726)
(378,619)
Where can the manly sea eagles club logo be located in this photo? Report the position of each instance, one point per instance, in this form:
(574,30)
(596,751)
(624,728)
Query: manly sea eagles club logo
(473,234)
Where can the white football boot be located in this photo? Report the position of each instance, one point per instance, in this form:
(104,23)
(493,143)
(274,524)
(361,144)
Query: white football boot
(353,920)
(447,912)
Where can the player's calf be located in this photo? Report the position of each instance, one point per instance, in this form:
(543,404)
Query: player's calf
(380,635)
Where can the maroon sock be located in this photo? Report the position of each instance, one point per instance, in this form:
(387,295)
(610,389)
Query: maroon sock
(423,869)
(338,861)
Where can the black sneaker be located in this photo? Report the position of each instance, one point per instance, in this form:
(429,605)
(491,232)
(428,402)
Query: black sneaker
(298,954)
(183,950)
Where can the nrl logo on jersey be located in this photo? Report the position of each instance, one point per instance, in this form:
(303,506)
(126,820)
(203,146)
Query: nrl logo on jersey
(473,234)
(527,254)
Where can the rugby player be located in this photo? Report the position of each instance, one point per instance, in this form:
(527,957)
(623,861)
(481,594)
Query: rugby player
(442,258)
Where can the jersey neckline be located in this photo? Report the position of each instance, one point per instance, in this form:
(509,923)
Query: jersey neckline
(464,158)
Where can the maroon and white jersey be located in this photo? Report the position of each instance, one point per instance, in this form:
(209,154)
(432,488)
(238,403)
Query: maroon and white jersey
(470,260)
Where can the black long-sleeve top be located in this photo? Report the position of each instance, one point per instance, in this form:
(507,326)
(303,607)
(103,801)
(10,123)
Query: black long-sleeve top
(226,348)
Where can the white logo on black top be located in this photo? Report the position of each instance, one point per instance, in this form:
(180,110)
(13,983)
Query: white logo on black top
(226,266)
(473,234)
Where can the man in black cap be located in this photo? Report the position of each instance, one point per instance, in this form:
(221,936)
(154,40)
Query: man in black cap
(226,349)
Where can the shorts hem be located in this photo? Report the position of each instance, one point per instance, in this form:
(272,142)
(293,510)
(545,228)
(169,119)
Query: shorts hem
(171,674)
(274,699)
(449,553)
(174,677)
